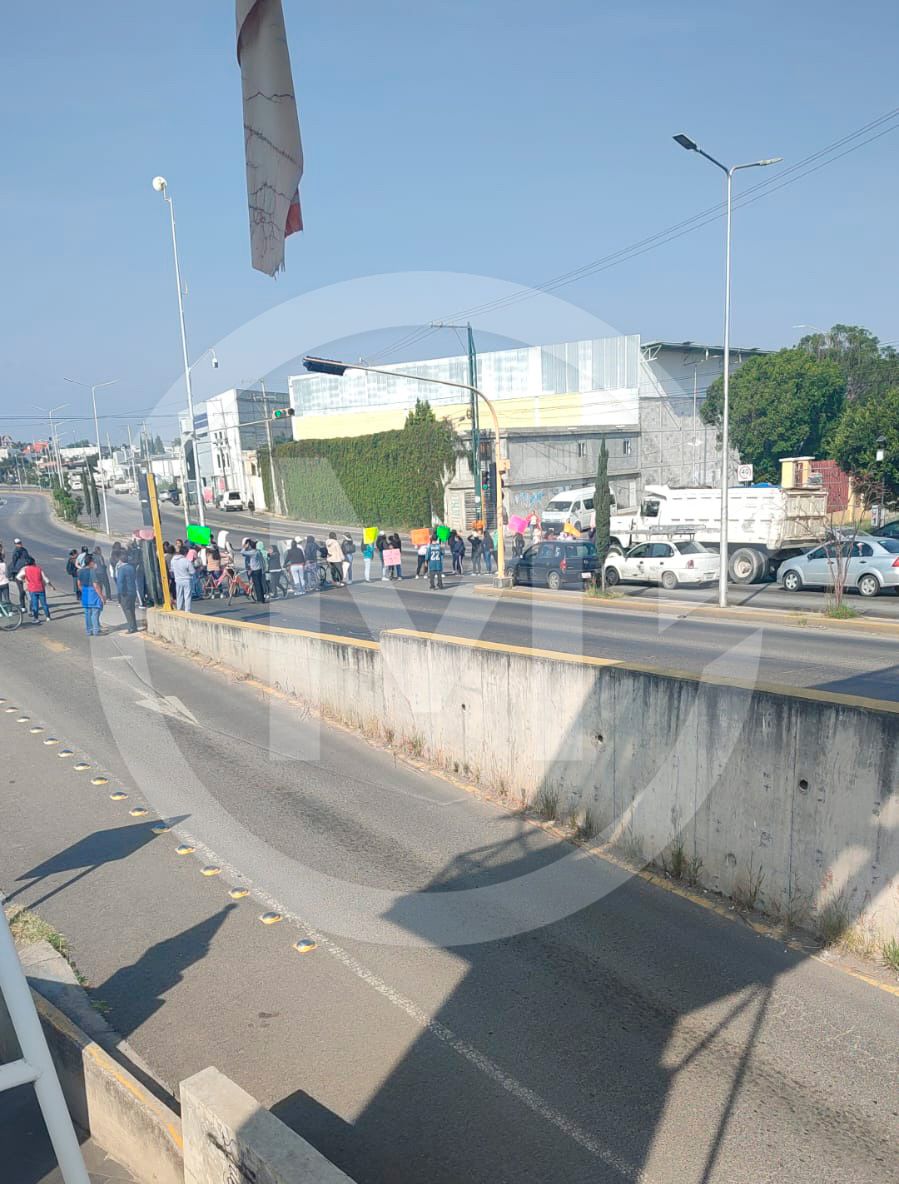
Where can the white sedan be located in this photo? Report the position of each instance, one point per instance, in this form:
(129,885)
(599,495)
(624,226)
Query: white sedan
(668,564)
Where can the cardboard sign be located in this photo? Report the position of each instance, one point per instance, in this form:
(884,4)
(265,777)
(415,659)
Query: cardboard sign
(369,534)
(517,525)
(420,537)
(393,557)
(569,530)
(201,535)
(443,533)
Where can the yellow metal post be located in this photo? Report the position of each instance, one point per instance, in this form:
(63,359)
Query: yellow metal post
(157,535)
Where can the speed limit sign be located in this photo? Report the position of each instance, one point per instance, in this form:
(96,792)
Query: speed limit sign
(744,473)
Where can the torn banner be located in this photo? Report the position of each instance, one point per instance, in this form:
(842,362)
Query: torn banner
(271,131)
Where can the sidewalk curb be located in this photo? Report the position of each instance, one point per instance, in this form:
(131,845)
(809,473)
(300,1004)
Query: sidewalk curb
(758,616)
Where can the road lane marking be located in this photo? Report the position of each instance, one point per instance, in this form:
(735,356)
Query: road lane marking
(171,706)
(523,1094)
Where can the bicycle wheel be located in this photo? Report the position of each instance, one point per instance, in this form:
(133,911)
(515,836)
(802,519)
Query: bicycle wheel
(10,617)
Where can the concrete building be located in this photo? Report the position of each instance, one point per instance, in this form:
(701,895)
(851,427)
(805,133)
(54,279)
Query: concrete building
(227,427)
(555,404)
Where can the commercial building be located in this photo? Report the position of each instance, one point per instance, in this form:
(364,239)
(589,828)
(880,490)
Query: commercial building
(555,404)
(227,428)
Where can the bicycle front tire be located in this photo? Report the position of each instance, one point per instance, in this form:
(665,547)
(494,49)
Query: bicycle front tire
(10,618)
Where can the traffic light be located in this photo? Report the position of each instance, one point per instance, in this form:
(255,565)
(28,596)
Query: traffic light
(283,412)
(488,479)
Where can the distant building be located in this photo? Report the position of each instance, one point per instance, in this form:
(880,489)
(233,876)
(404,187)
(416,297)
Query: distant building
(227,426)
(804,472)
(555,404)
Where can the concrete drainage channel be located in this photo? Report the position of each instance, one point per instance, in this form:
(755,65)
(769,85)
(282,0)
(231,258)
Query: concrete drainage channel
(221,1133)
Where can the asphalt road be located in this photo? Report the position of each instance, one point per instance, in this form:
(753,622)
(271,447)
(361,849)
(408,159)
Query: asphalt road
(665,637)
(635,1036)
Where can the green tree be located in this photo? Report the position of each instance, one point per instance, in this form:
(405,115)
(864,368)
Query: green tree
(869,368)
(433,448)
(781,404)
(602,503)
(855,445)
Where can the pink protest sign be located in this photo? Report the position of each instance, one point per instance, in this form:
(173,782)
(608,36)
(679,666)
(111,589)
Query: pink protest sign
(517,525)
(393,556)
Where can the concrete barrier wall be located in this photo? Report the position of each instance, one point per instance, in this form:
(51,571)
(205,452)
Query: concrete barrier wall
(790,800)
(784,798)
(105,1099)
(338,676)
(229,1137)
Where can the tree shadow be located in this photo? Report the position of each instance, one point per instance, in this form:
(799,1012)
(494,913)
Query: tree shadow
(871,684)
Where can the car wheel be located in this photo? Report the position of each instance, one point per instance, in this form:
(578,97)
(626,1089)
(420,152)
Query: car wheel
(868,585)
(554,581)
(792,581)
(613,577)
(514,579)
(745,566)
(669,580)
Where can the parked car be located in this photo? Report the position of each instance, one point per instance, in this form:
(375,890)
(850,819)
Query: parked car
(555,562)
(231,499)
(170,495)
(889,530)
(870,563)
(666,563)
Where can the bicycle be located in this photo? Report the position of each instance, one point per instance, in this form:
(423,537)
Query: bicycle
(215,585)
(11,616)
(237,584)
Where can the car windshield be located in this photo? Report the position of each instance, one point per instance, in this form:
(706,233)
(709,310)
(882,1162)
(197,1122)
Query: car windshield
(559,507)
(691,548)
(583,550)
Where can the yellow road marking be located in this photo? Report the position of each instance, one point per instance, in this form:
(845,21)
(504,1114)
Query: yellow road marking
(56,646)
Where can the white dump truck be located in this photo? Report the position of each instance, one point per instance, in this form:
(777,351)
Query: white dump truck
(766,524)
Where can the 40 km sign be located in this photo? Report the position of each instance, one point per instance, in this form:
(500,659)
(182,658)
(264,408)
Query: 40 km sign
(744,473)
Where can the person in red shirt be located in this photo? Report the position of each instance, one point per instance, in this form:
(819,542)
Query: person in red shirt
(35,581)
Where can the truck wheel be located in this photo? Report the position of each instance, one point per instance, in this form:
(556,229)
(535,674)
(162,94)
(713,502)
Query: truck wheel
(554,581)
(745,566)
(669,580)
(868,585)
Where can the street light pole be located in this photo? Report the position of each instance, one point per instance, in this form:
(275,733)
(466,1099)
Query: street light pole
(475,427)
(93,389)
(692,146)
(161,186)
(338,369)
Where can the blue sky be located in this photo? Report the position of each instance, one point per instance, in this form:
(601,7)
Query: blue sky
(516,140)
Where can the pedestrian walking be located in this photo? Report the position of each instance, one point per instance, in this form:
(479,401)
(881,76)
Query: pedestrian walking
(255,566)
(435,562)
(380,544)
(488,552)
(368,553)
(92,600)
(396,543)
(102,571)
(517,545)
(311,571)
(72,570)
(457,550)
(421,561)
(277,582)
(126,589)
(349,550)
(335,558)
(36,582)
(4,578)
(183,575)
(295,559)
(476,540)
(17,561)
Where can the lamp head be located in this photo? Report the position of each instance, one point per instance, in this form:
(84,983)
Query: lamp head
(686,142)
(159,184)
(215,361)
(325,366)
(771,160)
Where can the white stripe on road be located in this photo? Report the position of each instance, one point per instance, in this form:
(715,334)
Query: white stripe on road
(522,1093)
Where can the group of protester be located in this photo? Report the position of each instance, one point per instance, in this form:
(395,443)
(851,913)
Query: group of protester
(93,580)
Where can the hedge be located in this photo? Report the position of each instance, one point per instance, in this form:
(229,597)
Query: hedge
(392,479)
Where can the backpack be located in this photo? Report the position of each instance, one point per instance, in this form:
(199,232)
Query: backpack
(348,547)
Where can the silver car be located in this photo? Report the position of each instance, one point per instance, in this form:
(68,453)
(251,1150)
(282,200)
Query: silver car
(868,563)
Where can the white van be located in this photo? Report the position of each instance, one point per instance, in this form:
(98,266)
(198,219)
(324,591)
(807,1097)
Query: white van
(571,505)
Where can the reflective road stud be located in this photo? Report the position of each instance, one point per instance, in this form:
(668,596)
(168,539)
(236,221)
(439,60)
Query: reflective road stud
(239,893)
(63,752)
(51,740)
(139,812)
(81,767)
(118,796)
(185,849)
(160,828)
(34,731)
(23,719)
(306,946)
(99,781)
(270,918)
(209,870)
